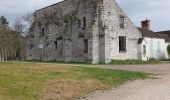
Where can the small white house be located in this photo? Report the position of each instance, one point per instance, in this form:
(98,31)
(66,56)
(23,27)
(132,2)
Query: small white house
(152,45)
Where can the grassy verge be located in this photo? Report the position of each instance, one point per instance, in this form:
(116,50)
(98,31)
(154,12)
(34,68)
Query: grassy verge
(113,62)
(129,62)
(52,61)
(19,81)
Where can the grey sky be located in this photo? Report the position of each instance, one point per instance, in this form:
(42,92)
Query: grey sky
(158,11)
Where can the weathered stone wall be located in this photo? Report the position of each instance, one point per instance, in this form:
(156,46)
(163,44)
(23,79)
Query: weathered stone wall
(111,15)
(102,30)
(61,23)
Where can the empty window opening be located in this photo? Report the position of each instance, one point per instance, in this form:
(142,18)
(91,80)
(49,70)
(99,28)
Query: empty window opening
(84,23)
(122,22)
(122,44)
(95,6)
(79,23)
(56,44)
(85,45)
(42,31)
(31,46)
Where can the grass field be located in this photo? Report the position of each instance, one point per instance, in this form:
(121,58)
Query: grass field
(31,81)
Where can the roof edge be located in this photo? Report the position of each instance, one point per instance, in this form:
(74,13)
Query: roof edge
(49,6)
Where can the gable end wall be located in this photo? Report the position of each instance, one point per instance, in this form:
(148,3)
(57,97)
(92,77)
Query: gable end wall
(110,16)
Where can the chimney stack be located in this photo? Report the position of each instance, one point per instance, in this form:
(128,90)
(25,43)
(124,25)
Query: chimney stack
(146,24)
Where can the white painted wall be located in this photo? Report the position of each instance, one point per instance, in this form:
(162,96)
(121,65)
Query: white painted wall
(166,53)
(155,48)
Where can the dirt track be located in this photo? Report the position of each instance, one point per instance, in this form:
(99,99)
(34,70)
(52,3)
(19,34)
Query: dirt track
(150,89)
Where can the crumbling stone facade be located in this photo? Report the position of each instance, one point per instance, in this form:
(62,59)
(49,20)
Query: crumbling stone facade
(83,31)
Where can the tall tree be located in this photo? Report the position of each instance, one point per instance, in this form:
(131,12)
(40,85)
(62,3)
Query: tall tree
(3,21)
(22,24)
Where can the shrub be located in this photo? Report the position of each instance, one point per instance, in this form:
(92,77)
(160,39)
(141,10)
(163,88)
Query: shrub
(168,49)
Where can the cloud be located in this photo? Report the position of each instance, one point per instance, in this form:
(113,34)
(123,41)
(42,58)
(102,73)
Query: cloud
(16,8)
(155,10)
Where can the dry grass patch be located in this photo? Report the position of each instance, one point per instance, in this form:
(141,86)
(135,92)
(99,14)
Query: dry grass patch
(70,89)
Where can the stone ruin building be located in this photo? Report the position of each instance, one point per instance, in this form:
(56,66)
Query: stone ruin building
(83,31)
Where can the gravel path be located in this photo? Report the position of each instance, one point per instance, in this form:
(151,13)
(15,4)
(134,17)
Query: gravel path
(149,89)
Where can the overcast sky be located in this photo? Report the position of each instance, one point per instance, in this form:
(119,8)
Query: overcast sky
(158,11)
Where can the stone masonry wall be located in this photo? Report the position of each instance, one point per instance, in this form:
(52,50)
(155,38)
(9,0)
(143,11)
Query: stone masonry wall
(60,22)
(111,14)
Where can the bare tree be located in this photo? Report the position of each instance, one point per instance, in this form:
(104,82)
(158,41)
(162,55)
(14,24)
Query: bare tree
(22,24)
(28,17)
(10,42)
(18,25)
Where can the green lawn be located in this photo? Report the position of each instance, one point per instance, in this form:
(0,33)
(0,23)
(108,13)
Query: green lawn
(31,81)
